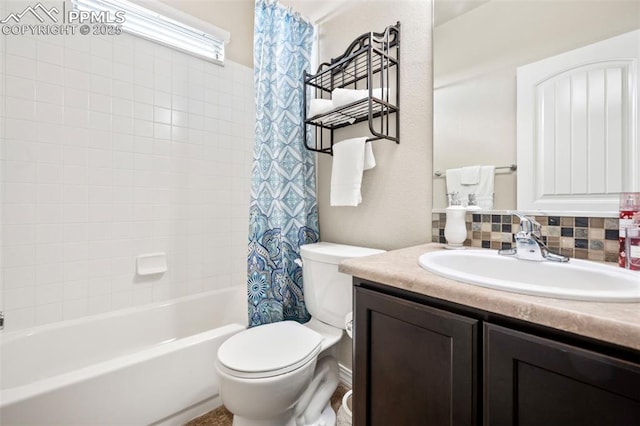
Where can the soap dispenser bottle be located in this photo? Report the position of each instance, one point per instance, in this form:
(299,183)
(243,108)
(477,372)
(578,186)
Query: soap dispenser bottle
(455,229)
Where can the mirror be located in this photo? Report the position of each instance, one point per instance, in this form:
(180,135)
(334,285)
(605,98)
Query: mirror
(477,47)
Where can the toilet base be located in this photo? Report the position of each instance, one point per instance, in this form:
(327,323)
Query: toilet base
(285,420)
(328,418)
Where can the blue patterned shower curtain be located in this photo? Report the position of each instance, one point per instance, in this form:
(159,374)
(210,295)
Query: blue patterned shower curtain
(283,210)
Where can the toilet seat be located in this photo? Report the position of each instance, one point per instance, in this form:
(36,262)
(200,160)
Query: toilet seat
(269,350)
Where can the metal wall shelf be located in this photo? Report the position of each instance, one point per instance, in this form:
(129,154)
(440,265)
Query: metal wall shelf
(371,61)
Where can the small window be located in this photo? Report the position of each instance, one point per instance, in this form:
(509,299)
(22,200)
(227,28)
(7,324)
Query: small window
(206,41)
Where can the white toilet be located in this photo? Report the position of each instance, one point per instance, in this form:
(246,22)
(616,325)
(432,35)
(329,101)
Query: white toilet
(283,374)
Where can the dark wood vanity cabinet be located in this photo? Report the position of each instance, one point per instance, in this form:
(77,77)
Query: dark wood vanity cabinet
(414,365)
(430,362)
(535,381)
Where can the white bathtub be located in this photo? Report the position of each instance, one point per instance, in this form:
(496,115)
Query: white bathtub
(139,366)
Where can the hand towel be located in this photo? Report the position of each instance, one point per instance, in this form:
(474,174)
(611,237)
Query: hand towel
(470,175)
(369,159)
(319,106)
(483,189)
(346,172)
(342,97)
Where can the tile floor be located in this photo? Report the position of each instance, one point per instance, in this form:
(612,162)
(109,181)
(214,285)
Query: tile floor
(222,417)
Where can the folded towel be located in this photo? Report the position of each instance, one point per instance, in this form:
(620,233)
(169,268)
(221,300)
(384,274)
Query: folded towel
(319,106)
(342,97)
(346,172)
(470,175)
(483,189)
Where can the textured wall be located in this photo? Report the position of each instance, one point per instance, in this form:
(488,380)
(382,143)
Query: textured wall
(397,192)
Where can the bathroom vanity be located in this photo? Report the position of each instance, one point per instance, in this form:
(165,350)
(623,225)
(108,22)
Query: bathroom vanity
(433,351)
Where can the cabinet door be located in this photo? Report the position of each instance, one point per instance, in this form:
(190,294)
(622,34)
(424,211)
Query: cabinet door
(534,381)
(413,365)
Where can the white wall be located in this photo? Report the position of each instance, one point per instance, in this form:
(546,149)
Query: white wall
(475,61)
(397,192)
(111,147)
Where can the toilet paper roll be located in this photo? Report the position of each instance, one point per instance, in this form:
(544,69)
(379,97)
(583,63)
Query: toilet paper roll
(348,324)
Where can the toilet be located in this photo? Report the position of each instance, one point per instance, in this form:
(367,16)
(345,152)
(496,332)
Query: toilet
(284,373)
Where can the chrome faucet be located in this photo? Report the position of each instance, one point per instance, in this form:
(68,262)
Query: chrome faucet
(1,320)
(529,244)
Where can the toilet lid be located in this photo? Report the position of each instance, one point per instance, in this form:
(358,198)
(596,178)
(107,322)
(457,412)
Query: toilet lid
(269,350)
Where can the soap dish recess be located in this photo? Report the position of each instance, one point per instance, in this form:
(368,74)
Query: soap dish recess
(152,263)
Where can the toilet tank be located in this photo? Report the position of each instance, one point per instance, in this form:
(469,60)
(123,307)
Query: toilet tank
(328,294)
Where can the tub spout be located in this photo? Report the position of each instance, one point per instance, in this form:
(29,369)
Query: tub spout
(1,320)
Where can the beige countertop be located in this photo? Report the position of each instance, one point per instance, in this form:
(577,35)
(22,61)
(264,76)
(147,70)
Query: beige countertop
(617,323)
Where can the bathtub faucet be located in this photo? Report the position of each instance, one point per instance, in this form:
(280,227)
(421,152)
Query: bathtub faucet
(1,320)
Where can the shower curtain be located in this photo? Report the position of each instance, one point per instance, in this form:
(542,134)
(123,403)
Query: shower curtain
(283,210)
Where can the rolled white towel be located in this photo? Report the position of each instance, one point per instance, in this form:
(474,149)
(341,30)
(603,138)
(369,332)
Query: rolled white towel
(342,97)
(320,106)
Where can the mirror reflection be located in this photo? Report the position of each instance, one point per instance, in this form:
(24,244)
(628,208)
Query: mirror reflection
(478,45)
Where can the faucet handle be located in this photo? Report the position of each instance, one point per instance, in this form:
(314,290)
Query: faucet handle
(528,224)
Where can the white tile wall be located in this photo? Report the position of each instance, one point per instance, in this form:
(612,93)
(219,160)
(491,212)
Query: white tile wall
(111,147)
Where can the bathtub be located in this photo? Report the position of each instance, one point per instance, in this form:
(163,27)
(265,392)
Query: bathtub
(140,366)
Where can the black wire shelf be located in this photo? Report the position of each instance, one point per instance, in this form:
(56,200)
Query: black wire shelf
(370,62)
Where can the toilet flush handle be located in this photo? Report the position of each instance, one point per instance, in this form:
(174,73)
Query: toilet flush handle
(298,262)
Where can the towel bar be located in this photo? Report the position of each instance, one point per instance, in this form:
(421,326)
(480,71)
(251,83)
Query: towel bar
(511,168)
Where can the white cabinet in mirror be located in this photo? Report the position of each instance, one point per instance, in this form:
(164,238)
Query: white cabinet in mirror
(476,55)
(577,121)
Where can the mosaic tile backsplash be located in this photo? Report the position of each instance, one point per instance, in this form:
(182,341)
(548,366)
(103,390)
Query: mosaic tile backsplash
(592,238)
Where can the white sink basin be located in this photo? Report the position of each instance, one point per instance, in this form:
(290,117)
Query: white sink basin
(576,280)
